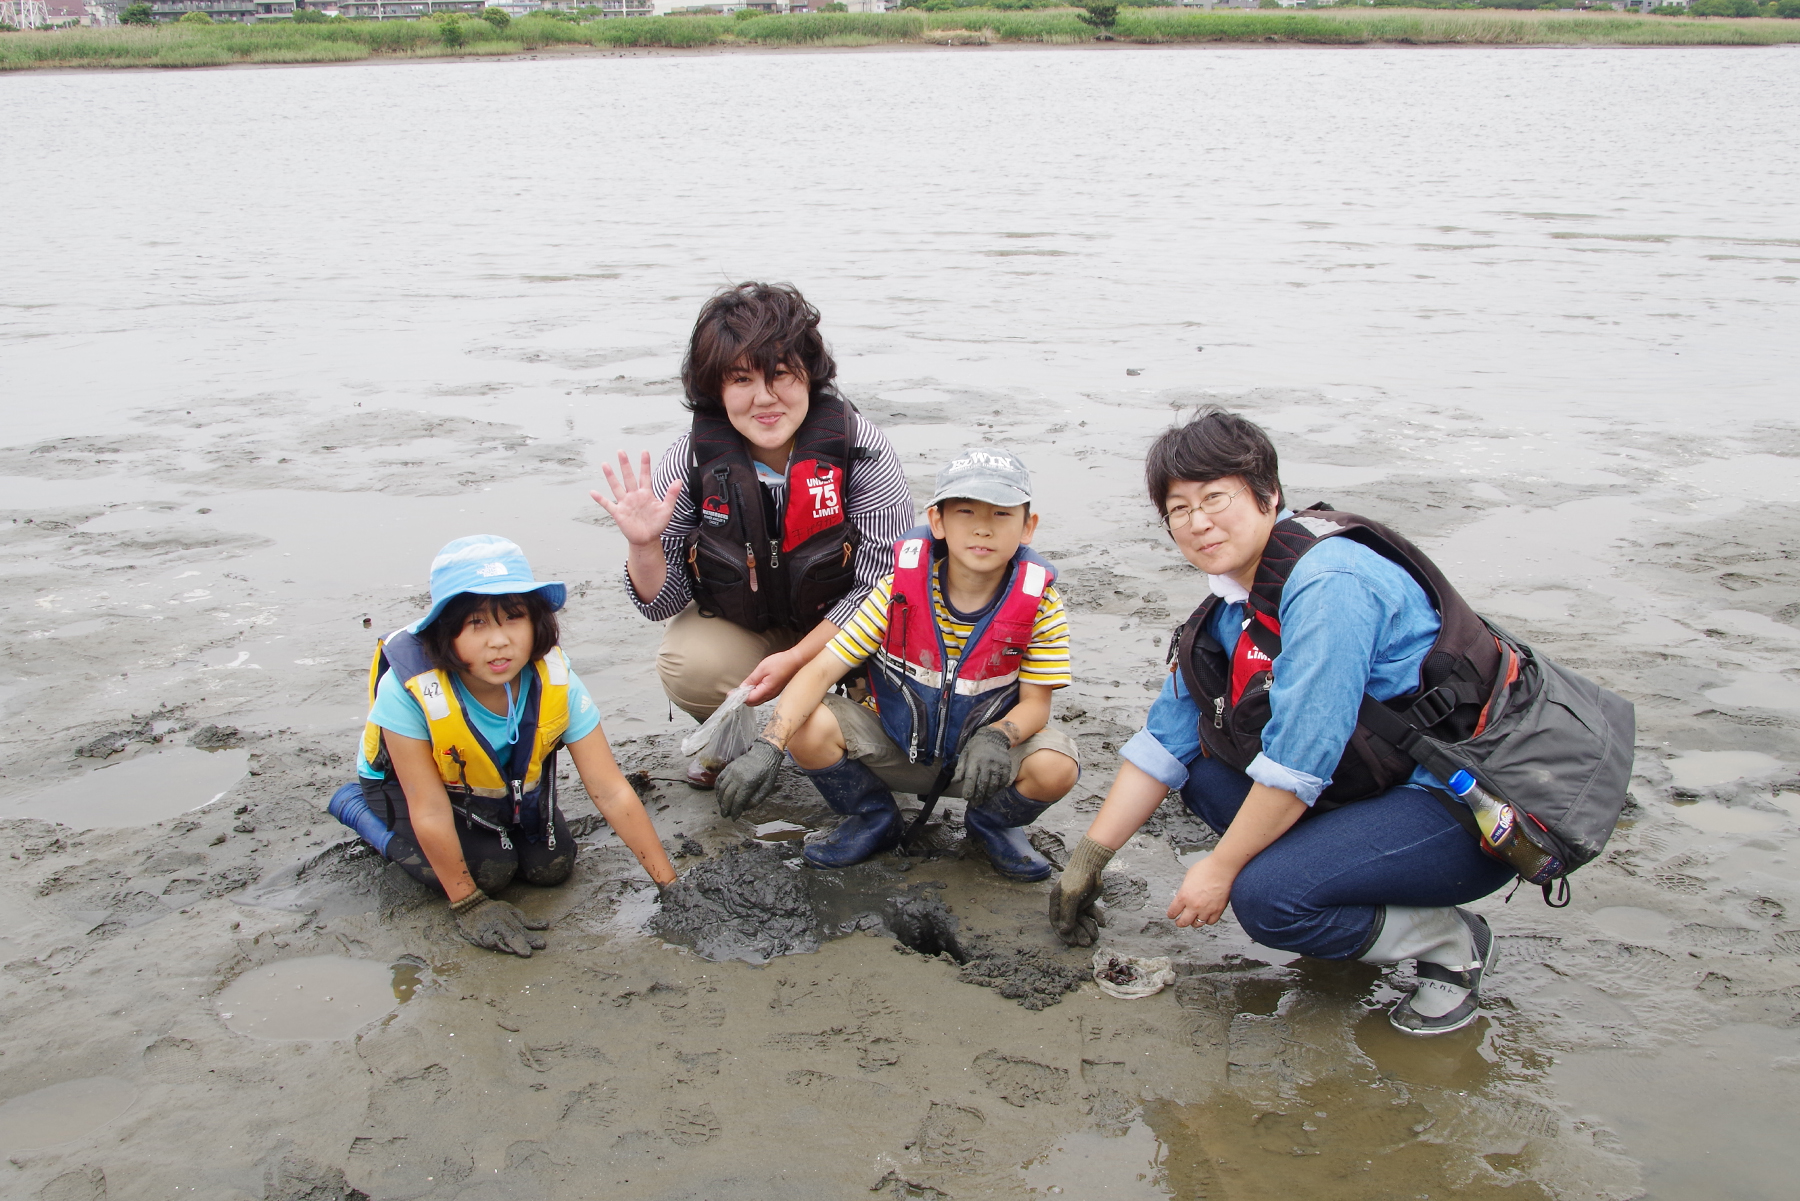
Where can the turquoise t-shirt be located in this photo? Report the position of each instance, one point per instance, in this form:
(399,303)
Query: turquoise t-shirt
(398,710)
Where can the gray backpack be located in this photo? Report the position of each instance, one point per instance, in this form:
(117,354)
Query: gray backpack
(1556,746)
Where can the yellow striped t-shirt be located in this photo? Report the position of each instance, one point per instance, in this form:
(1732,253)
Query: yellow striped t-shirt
(1046,659)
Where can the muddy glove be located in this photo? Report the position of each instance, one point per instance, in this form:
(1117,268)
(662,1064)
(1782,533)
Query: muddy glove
(1072,898)
(497,925)
(748,779)
(986,766)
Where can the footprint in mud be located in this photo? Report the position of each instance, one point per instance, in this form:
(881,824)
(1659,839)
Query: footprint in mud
(690,1127)
(1123,892)
(1022,1082)
(592,1105)
(82,1184)
(171,1060)
(948,1133)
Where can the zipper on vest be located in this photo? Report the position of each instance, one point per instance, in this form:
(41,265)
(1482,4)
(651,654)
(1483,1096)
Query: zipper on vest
(749,550)
(774,554)
(518,800)
(1218,713)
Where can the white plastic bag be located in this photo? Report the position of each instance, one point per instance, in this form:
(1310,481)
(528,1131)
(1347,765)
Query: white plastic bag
(727,734)
(1129,978)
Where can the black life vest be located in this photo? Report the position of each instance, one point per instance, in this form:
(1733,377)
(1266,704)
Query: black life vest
(741,565)
(1461,674)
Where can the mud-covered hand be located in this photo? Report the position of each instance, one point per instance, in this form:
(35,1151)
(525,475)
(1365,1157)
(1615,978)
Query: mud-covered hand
(497,925)
(986,765)
(748,779)
(1073,909)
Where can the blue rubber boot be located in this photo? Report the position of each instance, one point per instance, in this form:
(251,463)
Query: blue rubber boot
(871,822)
(999,829)
(348,806)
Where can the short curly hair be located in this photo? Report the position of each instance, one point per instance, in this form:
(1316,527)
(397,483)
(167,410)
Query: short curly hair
(762,326)
(1213,445)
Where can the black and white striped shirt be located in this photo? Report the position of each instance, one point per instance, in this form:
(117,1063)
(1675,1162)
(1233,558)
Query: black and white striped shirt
(880,505)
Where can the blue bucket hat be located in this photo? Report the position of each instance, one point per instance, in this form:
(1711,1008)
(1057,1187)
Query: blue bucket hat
(487,565)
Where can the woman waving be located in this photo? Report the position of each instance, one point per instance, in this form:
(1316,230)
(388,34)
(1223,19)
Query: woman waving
(761,529)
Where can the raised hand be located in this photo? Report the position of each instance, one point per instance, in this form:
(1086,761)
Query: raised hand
(634,506)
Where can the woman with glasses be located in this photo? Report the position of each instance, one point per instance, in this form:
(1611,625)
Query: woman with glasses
(1332,846)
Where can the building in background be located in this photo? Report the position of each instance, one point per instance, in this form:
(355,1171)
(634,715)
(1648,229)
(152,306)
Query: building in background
(405,10)
(245,11)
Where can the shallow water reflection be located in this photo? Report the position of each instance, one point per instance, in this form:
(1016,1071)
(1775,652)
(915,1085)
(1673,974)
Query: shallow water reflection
(317,998)
(62,1112)
(149,788)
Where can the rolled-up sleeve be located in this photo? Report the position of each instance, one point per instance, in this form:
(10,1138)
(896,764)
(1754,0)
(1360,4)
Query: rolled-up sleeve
(1330,623)
(1170,738)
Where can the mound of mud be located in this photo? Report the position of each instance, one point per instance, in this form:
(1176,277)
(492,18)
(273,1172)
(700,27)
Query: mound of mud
(1033,978)
(750,903)
(756,901)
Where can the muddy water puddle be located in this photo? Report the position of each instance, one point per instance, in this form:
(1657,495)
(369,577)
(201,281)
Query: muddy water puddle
(1712,1119)
(1716,818)
(62,1112)
(319,998)
(151,787)
(1340,1139)
(1757,690)
(1708,769)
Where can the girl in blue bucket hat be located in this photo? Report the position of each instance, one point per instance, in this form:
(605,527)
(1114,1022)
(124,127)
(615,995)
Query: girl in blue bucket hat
(468,707)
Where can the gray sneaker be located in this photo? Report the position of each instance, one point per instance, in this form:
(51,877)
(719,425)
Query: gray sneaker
(1447,1000)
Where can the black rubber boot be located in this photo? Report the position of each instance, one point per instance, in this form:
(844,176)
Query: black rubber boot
(871,822)
(998,826)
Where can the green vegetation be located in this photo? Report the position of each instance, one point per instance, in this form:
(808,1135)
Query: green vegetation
(499,18)
(194,18)
(181,44)
(137,14)
(1100,16)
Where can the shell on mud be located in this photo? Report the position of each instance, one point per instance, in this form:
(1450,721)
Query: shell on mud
(1130,978)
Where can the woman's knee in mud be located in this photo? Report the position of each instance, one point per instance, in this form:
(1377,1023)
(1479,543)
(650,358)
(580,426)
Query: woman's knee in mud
(819,742)
(1047,775)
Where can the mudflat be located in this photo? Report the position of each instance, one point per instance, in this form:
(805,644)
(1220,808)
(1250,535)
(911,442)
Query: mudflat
(256,371)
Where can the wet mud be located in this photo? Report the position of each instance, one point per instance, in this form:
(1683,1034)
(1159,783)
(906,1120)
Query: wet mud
(216,491)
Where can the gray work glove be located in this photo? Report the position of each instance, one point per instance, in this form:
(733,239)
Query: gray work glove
(497,925)
(1072,898)
(986,765)
(749,779)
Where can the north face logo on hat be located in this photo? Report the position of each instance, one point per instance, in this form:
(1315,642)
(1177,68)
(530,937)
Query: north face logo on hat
(489,570)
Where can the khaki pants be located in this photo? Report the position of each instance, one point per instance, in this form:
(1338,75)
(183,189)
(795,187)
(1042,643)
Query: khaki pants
(703,658)
(866,741)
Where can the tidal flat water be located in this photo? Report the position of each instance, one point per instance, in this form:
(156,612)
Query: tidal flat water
(269,337)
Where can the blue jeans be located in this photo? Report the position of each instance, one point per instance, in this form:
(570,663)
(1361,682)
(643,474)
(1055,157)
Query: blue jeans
(1315,890)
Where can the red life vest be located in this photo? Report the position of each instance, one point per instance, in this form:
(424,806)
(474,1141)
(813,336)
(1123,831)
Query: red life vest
(930,703)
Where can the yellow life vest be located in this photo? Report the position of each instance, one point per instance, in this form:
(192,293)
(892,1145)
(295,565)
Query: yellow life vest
(464,760)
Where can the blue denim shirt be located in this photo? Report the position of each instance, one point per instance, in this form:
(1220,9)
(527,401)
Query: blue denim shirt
(1351,622)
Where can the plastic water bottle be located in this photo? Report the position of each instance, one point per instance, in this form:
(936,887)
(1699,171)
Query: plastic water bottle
(1502,831)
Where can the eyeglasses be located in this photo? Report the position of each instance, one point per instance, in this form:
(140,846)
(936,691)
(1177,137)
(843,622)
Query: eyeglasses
(1212,503)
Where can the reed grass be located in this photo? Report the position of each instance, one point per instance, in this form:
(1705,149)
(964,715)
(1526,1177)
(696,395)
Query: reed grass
(283,42)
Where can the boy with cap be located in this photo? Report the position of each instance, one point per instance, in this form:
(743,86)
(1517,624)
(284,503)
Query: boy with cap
(965,643)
